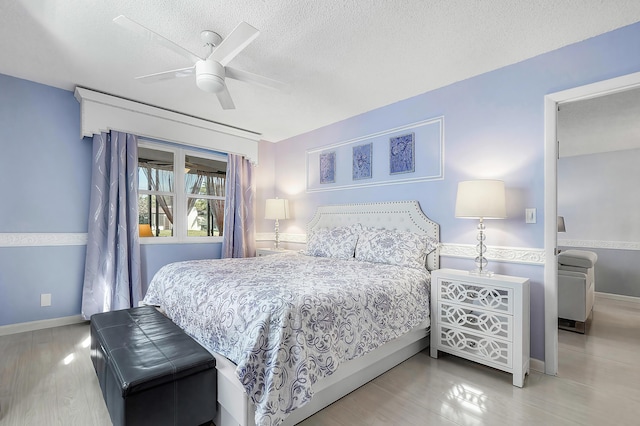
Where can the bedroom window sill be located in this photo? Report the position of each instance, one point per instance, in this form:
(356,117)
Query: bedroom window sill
(168,240)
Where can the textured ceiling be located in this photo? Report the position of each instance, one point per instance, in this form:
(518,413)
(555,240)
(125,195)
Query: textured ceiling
(340,57)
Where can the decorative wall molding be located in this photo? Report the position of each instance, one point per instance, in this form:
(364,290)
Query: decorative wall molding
(39,239)
(612,245)
(530,256)
(101,112)
(284,237)
(428,152)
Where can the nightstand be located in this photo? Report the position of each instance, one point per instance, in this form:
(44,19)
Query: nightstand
(483,319)
(267,251)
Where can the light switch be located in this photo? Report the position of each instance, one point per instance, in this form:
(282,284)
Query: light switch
(45,299)
(530,215)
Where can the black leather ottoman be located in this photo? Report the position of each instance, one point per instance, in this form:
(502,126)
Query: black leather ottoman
(150,371)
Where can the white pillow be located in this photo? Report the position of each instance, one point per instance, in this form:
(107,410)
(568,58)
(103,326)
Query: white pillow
(339,243)
(394,247)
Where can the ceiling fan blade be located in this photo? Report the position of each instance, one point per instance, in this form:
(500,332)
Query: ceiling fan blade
(141,30)
(166,75)
(225,99)
(238,39)
(256,79)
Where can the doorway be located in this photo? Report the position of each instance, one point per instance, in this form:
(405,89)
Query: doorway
(551,103)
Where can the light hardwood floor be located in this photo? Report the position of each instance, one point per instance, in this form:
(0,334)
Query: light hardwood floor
(598,383)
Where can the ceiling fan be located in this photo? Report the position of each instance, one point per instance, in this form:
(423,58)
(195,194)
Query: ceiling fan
(211,70)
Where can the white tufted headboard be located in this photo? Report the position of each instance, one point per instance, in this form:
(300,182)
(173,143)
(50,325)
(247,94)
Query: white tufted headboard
(393,215)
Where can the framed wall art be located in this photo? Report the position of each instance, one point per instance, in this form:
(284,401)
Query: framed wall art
(402,154)
(409,153)
(362,162)
(328,167)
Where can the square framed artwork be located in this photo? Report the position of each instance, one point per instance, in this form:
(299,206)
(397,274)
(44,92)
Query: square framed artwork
(362,161)
(328,167)
(402,154)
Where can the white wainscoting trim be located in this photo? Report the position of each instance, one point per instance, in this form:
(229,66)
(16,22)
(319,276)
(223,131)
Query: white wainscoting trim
(39,239)
(264,236)
(531,256)
(284,237)
(39,325)
(613,245)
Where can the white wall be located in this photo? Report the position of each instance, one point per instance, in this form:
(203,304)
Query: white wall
(599,197)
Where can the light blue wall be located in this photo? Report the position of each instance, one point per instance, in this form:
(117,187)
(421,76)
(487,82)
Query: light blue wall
(155,256)
(599,199)
(494,128)
(27,272)
(44,164)
(45,172)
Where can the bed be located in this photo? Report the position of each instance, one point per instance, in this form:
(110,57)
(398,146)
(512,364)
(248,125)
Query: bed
(294,332)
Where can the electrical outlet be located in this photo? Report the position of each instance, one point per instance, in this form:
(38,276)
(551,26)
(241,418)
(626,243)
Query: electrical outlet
(45,299)
(530,215)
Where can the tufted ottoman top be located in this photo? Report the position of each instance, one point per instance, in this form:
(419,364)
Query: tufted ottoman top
(578,258)
(145,349)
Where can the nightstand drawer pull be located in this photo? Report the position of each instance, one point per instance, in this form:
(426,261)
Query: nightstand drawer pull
(499,299)
(491,323)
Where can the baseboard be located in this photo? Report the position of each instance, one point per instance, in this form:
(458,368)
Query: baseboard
(39,325)
(621,297)
(536,364)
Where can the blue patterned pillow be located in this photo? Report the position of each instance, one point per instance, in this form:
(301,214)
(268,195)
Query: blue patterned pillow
(394,247)
(339,243)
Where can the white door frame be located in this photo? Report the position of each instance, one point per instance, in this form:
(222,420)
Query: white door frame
(551,102)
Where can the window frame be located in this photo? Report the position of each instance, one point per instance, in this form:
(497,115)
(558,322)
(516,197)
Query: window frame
(180,232)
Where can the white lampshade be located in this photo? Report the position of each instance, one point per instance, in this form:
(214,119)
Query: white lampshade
(481,199)
(276,208)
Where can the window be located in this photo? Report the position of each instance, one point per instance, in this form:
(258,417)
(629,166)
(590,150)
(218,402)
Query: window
(155,192)
(180,194)
(205,185)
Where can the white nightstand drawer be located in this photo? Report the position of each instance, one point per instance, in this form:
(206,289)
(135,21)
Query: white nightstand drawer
(476,346)
(483,321)
(477,296)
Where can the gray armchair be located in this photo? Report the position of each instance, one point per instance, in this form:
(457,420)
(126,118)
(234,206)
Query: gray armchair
(576,288)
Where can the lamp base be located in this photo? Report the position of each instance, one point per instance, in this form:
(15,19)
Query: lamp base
(481,273)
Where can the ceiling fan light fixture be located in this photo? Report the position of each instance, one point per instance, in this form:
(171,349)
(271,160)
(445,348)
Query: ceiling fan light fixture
(212,71)
(210,76)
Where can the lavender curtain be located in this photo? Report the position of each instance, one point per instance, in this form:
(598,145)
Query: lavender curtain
(112,267)
(239,235)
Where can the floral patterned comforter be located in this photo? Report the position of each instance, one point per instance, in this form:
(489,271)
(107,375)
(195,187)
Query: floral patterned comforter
(287,320)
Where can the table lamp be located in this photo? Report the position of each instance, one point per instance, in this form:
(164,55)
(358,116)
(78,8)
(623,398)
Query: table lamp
(481,199)
(277,208)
